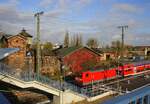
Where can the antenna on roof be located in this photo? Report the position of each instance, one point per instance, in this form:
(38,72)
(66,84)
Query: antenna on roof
(23,29)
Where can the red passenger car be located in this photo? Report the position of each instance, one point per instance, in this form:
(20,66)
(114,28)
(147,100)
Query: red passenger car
(133,68)
(126,69)
(147,66)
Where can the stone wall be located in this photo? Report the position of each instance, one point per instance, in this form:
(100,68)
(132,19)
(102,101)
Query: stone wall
(49,65)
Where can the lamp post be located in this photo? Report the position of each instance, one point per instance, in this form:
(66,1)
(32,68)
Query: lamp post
(61,73)
(92,93)
(38,63)
(29,59)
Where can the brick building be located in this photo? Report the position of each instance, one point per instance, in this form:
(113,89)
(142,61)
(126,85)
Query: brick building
(21,41)
(21,59)
(76,57)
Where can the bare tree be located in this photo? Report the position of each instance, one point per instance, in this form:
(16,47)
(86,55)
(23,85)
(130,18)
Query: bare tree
(76,40)
(92,43)
(66,40)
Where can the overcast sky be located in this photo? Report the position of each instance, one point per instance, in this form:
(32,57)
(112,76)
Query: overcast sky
(90,18)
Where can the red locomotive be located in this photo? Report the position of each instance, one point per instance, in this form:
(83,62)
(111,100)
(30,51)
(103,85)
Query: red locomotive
(126,69)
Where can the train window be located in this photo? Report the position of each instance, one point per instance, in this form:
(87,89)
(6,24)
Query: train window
(126,70)
(145,101)
(139,101)
(129,69)
(132,102)
(86,75)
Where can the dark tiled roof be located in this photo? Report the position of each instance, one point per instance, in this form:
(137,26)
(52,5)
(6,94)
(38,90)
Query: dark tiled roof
(5,35)
(25,34)
(1,34)
(8,36)
(65,51)
(22,33)
(98,50)
(94,51)
(142,46)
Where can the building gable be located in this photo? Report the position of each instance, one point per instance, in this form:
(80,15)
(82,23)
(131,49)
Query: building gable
(76,59)
(17,42)
(25,34)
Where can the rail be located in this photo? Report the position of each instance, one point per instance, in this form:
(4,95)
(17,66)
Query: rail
(26,76)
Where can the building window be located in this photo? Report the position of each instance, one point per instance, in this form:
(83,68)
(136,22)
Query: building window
(107,57)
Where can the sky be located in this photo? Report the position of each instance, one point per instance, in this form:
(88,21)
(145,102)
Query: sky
(90,18)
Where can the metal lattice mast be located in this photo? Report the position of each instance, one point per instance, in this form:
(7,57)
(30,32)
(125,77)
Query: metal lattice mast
(122,44)
(122,51)
(38,55)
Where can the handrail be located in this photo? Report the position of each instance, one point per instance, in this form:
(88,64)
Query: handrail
(26,76)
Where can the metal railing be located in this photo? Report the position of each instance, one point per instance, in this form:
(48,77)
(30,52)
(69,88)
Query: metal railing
(26,76)
(63,85)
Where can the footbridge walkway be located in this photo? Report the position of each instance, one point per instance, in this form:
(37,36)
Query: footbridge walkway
(26,80)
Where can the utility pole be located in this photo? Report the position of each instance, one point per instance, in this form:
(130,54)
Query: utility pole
(38,62)
(122,45)
(122,52)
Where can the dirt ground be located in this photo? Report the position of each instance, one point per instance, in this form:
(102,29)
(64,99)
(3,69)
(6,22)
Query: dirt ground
(99,101)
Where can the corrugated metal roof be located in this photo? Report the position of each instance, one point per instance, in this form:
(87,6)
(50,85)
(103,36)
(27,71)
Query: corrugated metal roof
(4,52)
(125,99)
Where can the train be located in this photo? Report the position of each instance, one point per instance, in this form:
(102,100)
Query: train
(98,74)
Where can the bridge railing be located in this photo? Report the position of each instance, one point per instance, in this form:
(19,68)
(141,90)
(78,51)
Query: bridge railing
(26,76)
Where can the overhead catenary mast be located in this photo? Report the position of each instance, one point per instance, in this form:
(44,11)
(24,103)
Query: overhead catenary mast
(38,55)
(123,27)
